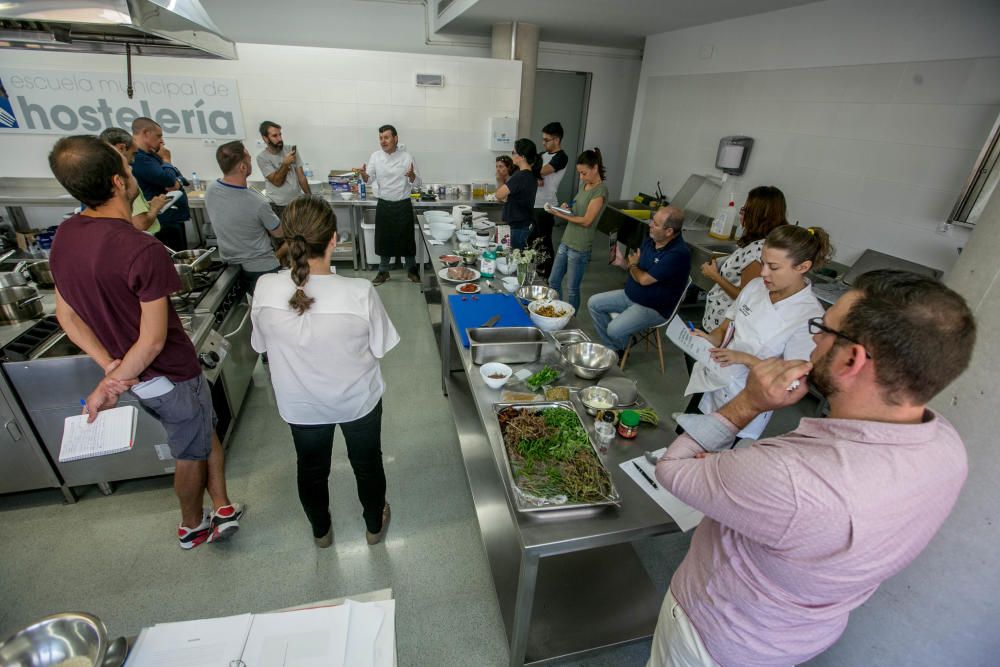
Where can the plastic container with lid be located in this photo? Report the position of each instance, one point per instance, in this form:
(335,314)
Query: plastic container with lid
(628,424)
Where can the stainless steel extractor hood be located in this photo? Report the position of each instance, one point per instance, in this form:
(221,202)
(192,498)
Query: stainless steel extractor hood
(178,28)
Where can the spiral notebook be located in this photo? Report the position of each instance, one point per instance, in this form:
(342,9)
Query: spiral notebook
(113,432)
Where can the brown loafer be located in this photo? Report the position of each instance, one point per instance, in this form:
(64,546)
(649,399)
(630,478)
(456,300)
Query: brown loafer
(380,278)
(414,276)
(375,538)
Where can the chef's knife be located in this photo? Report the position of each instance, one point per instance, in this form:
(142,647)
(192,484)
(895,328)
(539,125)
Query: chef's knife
(490,322)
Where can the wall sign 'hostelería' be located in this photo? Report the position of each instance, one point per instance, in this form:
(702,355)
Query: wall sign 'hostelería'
(59,102)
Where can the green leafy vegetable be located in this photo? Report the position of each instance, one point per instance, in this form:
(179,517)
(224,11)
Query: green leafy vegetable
(543,377)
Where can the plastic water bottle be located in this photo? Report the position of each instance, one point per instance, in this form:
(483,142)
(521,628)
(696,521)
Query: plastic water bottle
(195,181)
(488,263)
(726,220)
(362,188)
(307,171)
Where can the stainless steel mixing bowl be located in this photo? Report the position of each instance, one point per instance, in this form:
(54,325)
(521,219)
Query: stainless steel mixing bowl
(536,293)
(588,360)
(56,639)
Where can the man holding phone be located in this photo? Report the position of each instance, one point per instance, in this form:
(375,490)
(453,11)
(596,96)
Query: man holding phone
(282,167)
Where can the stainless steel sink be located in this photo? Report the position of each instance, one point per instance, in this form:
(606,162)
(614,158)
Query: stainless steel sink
(627,204)
(721,248)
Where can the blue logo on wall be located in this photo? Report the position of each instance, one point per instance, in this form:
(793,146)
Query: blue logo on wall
(7,117)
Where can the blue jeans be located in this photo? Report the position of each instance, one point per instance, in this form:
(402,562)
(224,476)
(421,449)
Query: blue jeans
(574,263)
(632,318)
(519,237)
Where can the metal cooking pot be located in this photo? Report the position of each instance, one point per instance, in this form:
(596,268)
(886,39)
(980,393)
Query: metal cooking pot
(39,272)
(12,279)
(588,360)
(186,274)
(198,260)
(18,304)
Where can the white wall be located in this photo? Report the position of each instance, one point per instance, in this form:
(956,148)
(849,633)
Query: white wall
(330,103)
(613,86)
(868,116)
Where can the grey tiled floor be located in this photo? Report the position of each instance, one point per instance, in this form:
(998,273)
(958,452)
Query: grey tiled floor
(116,556)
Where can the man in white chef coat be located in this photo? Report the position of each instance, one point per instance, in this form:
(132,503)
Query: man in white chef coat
(392,170)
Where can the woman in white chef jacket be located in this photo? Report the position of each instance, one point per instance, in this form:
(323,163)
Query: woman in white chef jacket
(324,335)
(768,319)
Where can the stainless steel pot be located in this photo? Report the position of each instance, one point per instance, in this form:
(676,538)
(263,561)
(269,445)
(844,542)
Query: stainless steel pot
(12,279)
(186,274)
(39,272)
(18,304)
(197,259)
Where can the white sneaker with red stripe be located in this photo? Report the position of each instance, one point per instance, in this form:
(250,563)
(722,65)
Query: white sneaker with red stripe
(226,521)
(189,538)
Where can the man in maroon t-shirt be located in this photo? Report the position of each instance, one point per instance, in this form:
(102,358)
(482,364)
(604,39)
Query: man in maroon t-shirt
(113,287)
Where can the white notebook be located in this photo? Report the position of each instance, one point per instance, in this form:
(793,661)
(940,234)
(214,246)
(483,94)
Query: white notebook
(113,432)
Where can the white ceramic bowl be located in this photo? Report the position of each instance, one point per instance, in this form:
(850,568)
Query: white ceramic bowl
(346,196)
(494,368)
(441,231)
(550,323)
(506,265)
(466,235)
(438,216)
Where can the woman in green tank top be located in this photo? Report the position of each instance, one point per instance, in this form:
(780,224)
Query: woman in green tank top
(573,254)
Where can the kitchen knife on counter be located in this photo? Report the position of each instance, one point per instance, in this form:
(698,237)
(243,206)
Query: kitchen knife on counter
(490,322)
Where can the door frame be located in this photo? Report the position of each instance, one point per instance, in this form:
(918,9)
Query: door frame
(584,112)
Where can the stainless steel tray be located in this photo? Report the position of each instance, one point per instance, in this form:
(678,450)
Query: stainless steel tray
(506,345)
(570,336)
(520,502)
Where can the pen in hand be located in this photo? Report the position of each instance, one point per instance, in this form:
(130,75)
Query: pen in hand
(690,325)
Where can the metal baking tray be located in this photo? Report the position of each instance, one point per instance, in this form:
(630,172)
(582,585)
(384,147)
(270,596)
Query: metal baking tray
(520,502)
(506,345)
(570,336)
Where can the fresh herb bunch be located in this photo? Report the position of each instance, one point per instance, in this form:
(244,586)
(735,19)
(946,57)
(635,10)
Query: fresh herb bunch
(543,377)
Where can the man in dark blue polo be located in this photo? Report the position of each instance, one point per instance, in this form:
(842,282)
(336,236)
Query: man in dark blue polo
(657,276)
(156,176)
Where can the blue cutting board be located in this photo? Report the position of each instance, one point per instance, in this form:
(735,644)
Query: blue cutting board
(473,313)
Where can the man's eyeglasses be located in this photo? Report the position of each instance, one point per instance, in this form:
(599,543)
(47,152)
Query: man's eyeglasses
(816,326)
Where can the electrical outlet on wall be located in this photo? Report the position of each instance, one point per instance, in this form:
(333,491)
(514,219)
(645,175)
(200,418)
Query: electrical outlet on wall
(209,142)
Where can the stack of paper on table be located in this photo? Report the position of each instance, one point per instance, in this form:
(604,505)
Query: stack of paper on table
(685,516)
(353,634)
(111,433)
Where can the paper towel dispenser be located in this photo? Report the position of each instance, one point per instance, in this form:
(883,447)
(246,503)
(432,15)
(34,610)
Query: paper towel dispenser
(733,154)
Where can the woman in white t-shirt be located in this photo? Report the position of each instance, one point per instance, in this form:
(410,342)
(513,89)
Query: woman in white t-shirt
(324,336)
(769,318)
(763,210)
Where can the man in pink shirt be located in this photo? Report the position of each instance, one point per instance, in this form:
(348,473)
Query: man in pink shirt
(802,528)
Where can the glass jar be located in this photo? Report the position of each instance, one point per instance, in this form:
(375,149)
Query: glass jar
(628,424)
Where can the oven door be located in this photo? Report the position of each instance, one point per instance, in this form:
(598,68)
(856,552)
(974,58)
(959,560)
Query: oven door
(237,368)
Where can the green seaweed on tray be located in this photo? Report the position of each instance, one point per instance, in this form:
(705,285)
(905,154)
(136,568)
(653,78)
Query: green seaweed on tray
(551,456)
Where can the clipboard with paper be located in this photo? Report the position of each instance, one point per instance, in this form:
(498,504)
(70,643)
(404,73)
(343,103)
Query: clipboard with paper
(697,347)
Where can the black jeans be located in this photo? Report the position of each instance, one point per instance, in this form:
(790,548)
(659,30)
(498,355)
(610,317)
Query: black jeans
(544,222)
(172,235)
(314,448)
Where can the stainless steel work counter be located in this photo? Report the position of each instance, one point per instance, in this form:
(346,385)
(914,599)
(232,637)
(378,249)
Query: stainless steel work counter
(568,583)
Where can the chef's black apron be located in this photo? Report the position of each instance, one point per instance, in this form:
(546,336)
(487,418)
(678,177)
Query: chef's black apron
(394,229)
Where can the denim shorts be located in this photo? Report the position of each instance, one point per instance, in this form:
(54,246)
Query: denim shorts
(187,416)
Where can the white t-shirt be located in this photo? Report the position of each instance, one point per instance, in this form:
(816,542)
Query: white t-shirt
(324,363)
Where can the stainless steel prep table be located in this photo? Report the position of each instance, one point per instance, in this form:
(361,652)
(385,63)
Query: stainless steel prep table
(568,583)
